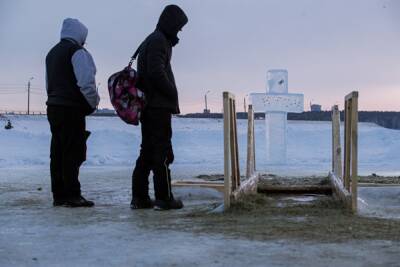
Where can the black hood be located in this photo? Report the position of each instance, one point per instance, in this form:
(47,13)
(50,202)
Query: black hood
(171,21)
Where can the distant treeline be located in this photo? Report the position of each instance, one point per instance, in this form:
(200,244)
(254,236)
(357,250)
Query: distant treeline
(385,119)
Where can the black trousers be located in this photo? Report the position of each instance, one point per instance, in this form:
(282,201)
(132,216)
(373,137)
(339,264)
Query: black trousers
(68,149)
(156,155)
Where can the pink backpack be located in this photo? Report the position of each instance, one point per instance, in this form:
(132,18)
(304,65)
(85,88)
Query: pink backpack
(127,100)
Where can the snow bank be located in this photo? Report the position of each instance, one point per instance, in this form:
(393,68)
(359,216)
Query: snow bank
(198,145)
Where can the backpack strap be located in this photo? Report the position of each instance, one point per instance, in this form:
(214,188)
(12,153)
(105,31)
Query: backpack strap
(133,58)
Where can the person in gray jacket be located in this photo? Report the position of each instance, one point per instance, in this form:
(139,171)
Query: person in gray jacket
(72,95)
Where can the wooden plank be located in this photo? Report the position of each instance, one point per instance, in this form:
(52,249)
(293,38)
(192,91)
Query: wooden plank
(333,167)
(354,151)
(232,185)
(219,186)
(347,145)
(340,191)
(197,181)
(250,143)
(254,145)
(227,152)
(336,147)
(232,148)
(236,152)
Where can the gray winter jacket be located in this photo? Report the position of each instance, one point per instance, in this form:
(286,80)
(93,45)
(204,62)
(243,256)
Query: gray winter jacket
(82,64)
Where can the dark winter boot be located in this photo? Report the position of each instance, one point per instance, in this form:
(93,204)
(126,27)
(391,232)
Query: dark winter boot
(76,202)
(58,202)
(138,203)
(172,204)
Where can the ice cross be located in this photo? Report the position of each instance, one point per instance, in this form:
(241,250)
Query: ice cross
(276,103)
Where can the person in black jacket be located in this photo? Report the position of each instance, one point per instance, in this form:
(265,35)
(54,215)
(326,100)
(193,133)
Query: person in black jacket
(157,81)
(72,94)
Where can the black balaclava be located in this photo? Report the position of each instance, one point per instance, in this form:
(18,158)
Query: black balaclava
(171,21)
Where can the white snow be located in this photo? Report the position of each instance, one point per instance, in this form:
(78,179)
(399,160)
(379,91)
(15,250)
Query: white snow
(34,234)
(198,146)
(381,202)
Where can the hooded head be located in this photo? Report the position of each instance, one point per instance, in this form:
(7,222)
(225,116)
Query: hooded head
(171,21)
(74,29)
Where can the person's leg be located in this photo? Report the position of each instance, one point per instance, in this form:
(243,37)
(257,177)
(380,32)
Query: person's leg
(141,172)
(163,156)
(162,174)
(57,185)
(73,140)
(140,181)
(140,184)
(74,137)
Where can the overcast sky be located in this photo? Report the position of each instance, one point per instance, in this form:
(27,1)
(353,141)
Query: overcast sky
(328,47)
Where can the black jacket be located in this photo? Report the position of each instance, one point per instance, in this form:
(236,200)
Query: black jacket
(156,78)
(62,88)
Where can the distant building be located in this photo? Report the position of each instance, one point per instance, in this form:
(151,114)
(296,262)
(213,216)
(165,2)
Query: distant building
(315,107)
(105,112)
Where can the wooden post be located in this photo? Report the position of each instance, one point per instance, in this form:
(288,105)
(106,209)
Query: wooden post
(351,149)
(235,154)
(233,189)
(336,148)
(254,143)
(347,142)
(231,151)
(354,150)
(227,151)
(250,168)
(346,189)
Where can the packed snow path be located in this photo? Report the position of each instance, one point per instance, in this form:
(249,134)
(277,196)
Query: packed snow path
(33,233)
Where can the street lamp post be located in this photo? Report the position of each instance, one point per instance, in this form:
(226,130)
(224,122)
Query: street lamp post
(29,93)
(205,102)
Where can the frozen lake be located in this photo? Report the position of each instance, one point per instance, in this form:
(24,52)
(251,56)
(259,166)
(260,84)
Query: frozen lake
(198,146)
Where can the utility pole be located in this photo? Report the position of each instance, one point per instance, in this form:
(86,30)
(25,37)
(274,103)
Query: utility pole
(244,103)
(29,93)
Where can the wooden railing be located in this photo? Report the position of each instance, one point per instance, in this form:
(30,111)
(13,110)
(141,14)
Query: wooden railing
(350,171)
(233,189)
(336,147)
(251,147)
(231,153)
(345,183)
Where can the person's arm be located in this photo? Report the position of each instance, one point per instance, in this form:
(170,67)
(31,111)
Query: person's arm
(156,68)
(85,71)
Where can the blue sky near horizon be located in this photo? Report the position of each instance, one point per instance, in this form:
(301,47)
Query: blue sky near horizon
(329,47)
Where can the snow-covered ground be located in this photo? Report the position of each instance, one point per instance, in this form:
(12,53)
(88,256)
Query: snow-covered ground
(198,146)
(32,233)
